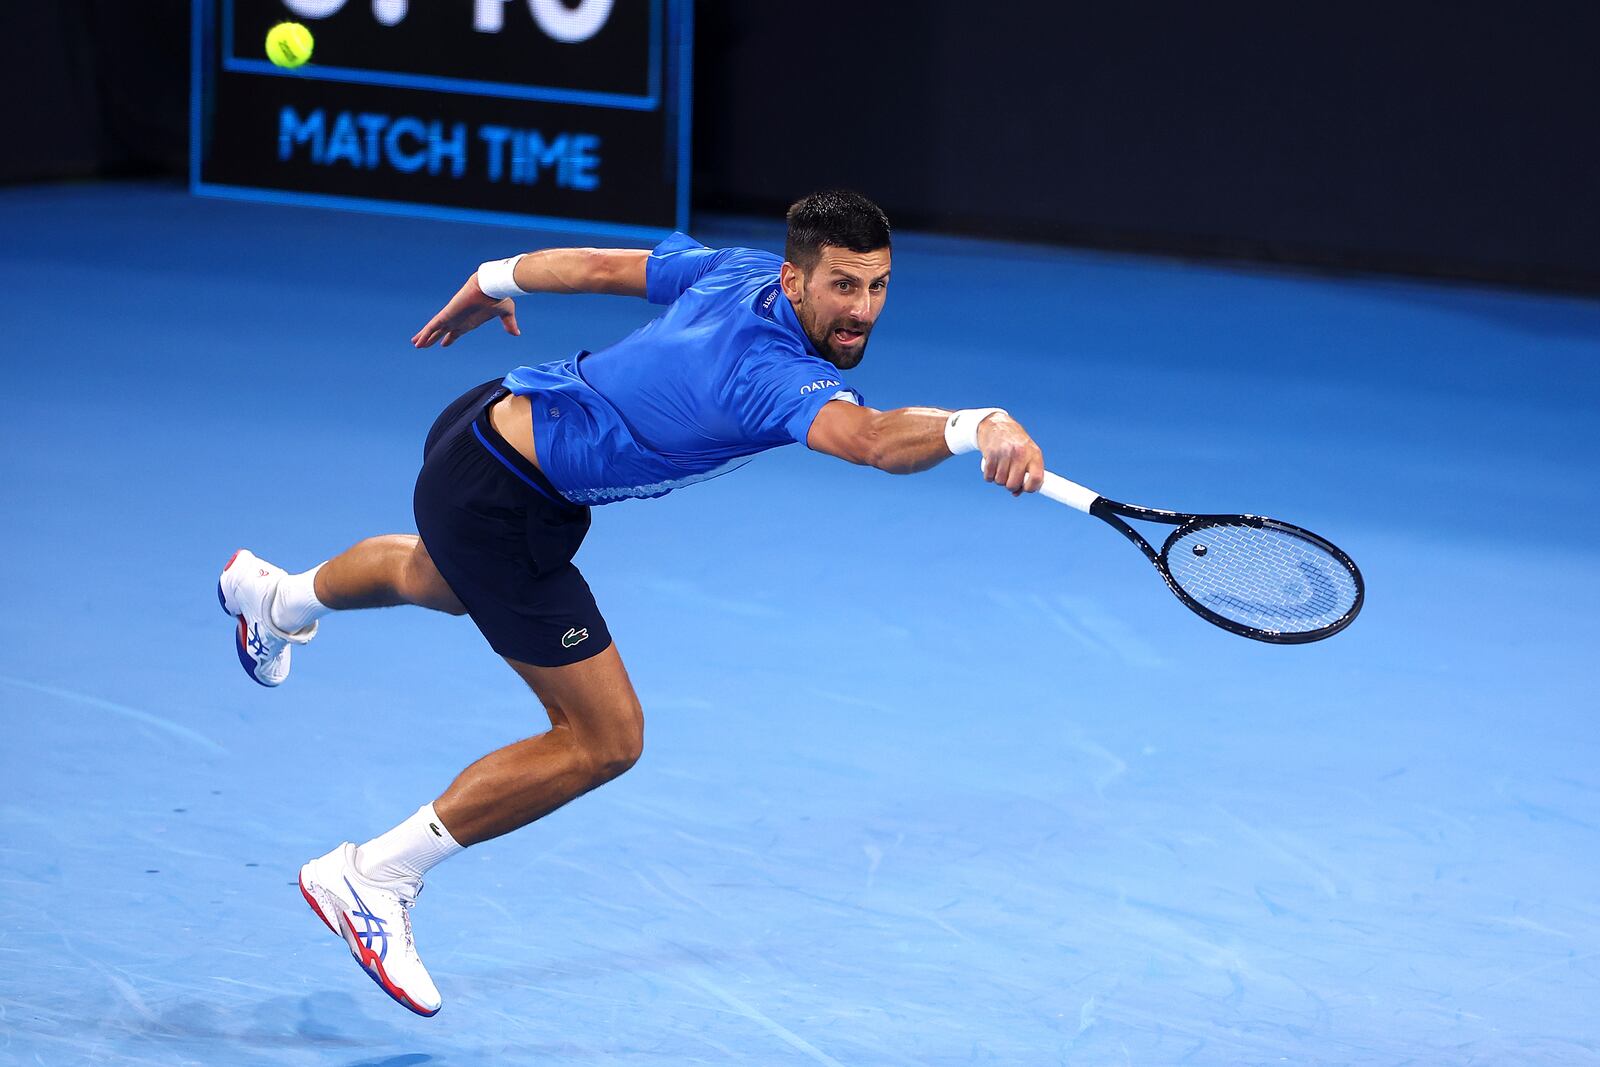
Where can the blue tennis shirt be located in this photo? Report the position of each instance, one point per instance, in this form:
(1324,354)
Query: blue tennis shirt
(724,373)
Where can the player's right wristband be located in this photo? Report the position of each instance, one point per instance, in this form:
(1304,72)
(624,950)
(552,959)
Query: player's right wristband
(497,278)
(961,429)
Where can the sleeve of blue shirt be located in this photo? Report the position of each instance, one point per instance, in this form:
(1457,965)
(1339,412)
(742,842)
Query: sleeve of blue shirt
(782,392)
(676,264)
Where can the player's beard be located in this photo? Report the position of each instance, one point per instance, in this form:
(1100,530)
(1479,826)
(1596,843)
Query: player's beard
(843,358)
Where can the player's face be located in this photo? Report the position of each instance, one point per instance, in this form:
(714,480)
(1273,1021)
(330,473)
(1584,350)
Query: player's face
(839,300)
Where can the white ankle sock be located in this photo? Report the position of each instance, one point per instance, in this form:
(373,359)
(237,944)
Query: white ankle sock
(295,605)
(407,852)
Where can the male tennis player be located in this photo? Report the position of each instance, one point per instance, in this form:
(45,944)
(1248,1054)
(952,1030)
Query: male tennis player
(745,358)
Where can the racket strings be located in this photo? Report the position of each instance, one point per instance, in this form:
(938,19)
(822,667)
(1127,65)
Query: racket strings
(1269,579)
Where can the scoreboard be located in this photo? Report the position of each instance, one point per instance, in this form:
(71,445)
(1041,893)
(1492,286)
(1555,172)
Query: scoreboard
(570,114)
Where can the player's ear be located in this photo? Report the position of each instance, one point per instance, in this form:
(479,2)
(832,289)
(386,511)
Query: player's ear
(792,280)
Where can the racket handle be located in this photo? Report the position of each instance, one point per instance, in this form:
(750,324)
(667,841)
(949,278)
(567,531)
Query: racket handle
(1071,494)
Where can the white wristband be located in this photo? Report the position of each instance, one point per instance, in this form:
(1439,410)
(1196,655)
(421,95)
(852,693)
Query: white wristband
(497,278)
(961,429)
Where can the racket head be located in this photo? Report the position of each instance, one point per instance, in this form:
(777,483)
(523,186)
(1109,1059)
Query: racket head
(1262,578)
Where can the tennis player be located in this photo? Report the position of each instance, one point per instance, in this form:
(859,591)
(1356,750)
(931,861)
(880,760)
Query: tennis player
(746,357)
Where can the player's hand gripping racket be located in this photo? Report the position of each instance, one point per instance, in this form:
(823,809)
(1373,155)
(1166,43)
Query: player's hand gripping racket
(1250,575)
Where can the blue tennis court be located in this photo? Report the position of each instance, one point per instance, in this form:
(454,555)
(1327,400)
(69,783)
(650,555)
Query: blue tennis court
(931,775)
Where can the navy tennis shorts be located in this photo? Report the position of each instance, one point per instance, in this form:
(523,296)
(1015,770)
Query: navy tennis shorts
(503,539)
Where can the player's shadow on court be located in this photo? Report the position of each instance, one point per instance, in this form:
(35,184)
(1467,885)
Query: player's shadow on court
(215,1033)
(338,1019)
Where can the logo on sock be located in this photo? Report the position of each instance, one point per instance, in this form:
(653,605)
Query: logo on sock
(574,636)
(435,828)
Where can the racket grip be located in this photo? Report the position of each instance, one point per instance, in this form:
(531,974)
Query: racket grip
(1069,493)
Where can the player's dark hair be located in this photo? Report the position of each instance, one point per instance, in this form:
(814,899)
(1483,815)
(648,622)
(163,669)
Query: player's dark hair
(836,217)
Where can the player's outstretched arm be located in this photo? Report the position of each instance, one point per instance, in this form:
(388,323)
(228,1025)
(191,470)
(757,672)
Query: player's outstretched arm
(487,293)
(908,440)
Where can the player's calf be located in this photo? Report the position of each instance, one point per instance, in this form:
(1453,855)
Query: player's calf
(386,571)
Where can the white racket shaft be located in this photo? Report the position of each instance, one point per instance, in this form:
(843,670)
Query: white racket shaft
(1067,492)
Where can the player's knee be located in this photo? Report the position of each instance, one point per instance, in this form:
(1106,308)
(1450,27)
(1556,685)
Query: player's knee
(423,585)
(622,743)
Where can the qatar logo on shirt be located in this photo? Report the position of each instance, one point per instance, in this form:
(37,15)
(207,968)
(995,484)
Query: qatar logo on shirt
(820,383)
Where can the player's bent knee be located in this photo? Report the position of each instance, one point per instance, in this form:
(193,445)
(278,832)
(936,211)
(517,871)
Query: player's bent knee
(425,586)
(615,765)
(622,744)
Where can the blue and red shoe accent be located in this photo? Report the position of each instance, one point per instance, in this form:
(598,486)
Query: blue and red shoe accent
(314,905)
(361,946)
(372,962)
(241,638)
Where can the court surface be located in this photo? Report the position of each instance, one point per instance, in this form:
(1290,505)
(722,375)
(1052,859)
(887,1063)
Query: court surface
(931,775)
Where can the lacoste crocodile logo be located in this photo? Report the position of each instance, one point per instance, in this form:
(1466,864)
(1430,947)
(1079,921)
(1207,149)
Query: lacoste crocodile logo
(574,636)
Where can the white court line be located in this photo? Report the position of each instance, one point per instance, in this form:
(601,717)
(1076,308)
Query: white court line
(156,721)
(788,1036)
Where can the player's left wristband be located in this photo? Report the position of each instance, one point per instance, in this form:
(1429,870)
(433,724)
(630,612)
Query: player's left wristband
(497,278)
(961,429)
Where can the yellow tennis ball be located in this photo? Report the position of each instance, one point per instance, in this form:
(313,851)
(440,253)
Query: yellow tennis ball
(289,44)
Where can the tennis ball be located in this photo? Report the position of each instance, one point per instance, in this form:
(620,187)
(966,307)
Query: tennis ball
(289,44)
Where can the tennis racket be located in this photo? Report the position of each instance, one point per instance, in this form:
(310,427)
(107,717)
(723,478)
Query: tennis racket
(1252,576)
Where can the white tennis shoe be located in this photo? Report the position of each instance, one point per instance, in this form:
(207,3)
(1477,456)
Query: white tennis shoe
(246,590)
(374,918)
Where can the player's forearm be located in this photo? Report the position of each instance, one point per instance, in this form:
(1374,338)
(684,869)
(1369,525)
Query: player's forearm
(618,271)
(906,440)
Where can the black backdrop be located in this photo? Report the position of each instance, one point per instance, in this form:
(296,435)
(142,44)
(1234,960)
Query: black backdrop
(1443,137)
(1454,139)
(94,87)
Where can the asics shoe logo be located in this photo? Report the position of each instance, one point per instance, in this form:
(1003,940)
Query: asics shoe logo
(373,928)
(257,647)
